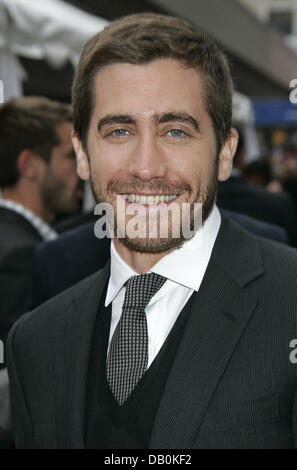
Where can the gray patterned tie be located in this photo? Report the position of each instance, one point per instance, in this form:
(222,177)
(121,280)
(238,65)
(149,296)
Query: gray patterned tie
(128,353)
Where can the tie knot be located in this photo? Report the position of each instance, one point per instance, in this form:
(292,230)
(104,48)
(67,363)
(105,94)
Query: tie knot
(141,289)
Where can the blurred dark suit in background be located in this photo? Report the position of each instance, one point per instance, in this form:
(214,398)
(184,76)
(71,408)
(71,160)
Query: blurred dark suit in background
(238,195)
(18,240)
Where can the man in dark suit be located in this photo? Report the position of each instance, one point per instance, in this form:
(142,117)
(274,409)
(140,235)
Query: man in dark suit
(38,180)
(59,264)
(184,340)
(18,239)
(238,195)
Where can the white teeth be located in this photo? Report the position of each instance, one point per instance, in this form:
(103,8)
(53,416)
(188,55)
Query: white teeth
(148,199)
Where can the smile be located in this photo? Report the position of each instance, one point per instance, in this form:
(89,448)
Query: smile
(148,199)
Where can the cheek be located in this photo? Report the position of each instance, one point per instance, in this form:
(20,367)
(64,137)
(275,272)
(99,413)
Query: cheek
(68,170)
(191,167)
(106,165)
(100,171)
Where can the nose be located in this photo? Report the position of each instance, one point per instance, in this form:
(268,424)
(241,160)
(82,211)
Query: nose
(147,161)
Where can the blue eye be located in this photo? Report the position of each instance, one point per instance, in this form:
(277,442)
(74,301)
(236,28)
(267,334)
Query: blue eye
(119,132)
(177,133)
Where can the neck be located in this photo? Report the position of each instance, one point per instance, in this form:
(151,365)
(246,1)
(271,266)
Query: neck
(139,262)
(28,197)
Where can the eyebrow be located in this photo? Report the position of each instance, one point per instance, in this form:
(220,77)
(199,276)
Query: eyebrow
(159,119)
(181,117)
(115,119)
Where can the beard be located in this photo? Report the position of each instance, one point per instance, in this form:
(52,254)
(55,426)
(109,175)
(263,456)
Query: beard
(205,195)
(56,198)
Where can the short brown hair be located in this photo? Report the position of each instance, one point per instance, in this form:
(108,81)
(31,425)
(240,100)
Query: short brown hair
(28,123)
(142,38)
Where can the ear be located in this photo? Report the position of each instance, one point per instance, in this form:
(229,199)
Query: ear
(82,161)
(30,166)
(226,155)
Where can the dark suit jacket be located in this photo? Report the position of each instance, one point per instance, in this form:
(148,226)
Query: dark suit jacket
(18,239)
(231,384)
(60,263)
(238,195)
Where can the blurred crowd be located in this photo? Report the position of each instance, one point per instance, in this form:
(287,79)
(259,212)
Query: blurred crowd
(277,169)
(264,188)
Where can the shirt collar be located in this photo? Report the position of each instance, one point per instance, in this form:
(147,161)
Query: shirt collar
(185,265)
(44,230)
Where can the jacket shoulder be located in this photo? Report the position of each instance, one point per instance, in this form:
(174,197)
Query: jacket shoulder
(42,321)
(246,256)
(279,258)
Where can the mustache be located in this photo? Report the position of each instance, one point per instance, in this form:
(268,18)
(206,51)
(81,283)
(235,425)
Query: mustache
(155,185)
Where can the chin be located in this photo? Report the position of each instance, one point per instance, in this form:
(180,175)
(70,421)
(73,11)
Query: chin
(152,246)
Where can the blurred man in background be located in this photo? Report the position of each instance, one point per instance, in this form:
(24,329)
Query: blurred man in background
(239,195)
(38,181)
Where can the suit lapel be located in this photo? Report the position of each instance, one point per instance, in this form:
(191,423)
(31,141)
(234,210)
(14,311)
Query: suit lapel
(219,314)
(71,357)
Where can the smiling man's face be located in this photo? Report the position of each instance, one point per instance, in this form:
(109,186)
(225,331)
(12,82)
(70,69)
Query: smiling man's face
(151,141)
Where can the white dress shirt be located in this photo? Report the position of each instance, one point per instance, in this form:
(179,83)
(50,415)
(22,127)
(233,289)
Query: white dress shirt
(44,230)
(184,269)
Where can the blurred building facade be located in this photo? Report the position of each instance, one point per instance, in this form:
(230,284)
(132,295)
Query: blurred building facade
(277,119)
(262,64)
(280,14)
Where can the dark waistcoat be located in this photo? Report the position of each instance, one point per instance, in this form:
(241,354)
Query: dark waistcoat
(108,425)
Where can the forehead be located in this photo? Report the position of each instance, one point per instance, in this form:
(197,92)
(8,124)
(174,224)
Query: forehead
(149,89)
